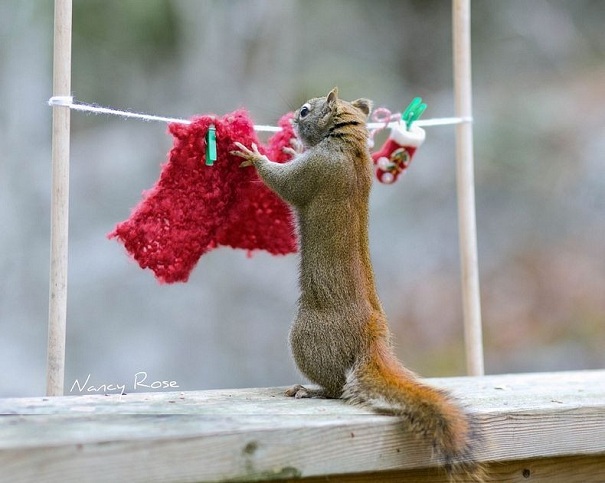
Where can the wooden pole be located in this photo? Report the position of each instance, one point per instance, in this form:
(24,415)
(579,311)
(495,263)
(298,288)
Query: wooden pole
(461,14)
(57,312)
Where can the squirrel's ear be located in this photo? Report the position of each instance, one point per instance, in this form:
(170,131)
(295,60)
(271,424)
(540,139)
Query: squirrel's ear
(332,97)
(364,105)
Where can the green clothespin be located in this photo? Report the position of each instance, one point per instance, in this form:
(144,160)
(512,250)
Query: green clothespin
(413,111)
(211,145)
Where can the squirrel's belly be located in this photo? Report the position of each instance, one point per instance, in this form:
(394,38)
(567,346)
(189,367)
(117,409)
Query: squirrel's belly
(324,347)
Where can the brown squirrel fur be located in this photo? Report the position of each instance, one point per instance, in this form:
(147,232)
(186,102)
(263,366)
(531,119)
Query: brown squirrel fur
(340,339)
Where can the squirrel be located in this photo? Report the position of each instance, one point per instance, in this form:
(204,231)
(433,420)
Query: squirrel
(340,339)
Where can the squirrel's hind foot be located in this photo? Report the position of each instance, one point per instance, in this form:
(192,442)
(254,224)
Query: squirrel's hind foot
(298,391)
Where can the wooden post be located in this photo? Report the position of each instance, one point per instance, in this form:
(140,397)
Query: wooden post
(461,14)
(57,312)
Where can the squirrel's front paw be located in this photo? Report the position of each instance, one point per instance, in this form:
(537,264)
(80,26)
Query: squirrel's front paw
(295,148)
(250,156)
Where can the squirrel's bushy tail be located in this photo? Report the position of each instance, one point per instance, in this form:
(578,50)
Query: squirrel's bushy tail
(382,383)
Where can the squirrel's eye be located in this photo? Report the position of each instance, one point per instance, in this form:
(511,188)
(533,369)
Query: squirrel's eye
(304,110)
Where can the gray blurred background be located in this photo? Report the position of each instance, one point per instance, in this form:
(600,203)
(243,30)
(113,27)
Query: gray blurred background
(539,105)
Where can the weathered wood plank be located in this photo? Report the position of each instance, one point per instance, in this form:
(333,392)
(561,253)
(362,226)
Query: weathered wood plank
(575,469)
(258,434)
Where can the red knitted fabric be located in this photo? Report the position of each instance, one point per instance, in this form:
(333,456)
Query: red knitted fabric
(194,208)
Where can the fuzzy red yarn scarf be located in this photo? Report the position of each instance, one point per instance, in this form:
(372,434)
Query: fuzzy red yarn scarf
(194,208)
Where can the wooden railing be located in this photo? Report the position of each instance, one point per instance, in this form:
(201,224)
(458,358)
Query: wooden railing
(547,427)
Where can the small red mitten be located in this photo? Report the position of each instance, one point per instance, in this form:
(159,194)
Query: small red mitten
(194,208)
(396,153)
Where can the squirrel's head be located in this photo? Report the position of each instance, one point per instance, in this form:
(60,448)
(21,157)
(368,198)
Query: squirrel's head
(317,117)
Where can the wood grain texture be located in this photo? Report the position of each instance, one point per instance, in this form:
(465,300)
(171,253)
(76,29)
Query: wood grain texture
(579,469)
(540,420)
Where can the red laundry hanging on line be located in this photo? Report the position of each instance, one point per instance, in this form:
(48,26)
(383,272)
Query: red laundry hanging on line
(194,208)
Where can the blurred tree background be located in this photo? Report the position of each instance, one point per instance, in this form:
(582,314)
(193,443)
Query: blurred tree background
(539,101)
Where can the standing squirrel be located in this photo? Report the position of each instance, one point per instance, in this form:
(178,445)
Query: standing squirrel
(340,339)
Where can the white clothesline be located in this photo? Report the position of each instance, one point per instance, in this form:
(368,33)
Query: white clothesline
(71,103)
